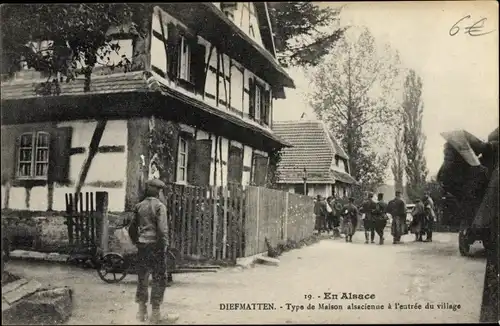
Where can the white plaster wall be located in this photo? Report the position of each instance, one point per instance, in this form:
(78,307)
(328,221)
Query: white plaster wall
(247,161)
(158,58)
(243,19)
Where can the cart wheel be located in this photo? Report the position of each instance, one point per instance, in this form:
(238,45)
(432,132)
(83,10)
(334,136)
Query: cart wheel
(463,243)
(113,268)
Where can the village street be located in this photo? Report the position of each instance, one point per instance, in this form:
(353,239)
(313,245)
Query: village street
(411,273)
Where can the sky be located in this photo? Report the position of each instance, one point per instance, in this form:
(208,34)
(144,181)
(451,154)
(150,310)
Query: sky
(459,73)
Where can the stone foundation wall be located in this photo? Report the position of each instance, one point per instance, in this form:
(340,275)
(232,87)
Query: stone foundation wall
(47,230)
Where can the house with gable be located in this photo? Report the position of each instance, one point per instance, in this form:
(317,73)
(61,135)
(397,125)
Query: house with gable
(195,110)
(316,156)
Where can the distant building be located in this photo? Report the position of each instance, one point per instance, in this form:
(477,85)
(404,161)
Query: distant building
(314,149)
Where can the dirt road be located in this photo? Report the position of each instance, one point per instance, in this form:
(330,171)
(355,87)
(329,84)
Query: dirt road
(407,274)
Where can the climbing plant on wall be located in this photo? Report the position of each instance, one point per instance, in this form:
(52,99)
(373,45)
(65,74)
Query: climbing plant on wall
(272,171)
(163,139)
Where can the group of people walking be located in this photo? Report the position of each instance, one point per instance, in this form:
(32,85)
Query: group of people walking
(332,215)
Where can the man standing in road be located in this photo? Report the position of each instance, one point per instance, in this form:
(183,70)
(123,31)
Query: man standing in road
(430,215)
(320,211)
(397,209)
(149,232)
(380,217)
(368,222)
(350,219)
(337,213)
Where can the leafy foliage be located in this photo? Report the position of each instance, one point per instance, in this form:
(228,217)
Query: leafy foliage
(163,138)
(304,32)
(355,92)
(273,173)
(78,36)
(398,159)
(414,139)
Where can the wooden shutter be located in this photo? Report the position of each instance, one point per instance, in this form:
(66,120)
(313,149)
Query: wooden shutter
(173,49)
(260,170)
(199,159)
(266,101)
(10,148)
(198,52)
(235,165)
(251,98)
(59,158)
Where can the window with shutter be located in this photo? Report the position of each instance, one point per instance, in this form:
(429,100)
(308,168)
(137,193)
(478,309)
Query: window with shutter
(43,155)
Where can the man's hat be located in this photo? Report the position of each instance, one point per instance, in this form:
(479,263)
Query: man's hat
(466,144)
(157,183)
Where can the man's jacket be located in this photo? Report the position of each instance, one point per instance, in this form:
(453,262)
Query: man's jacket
(150,223)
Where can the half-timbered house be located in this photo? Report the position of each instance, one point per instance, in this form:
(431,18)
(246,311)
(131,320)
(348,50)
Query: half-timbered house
(316,164)
(195,110)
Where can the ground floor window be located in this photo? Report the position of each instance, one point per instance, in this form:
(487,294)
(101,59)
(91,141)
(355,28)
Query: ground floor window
(33,155)
(182,160)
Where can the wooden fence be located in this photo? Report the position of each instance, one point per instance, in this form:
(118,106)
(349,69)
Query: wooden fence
(86,219)
(206,223)
(275,215)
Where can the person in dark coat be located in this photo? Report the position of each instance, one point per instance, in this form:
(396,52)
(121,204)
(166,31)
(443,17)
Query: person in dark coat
(473,182)
(350,216)
(367,209)
(380,217)
(149,232)
(397,209)
(430,216)
(337,213)
(320,211)
(330,218)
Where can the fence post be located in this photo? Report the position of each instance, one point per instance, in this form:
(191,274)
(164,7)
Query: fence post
(286,217)
(258,219)
(214,231)
(224,225)
(101,203)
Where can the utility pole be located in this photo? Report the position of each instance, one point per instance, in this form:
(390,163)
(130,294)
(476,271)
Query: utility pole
(305,181)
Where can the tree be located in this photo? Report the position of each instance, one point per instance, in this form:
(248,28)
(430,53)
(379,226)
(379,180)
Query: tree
(398,159)
(304,32)
(78,35)
(414,139)
(355,92)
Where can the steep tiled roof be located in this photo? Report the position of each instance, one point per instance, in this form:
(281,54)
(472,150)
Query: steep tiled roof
(313,148)
(115,83)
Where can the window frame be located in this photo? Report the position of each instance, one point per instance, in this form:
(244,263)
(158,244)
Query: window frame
(179,168)
(33,158)
(185,60)
(258,100)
